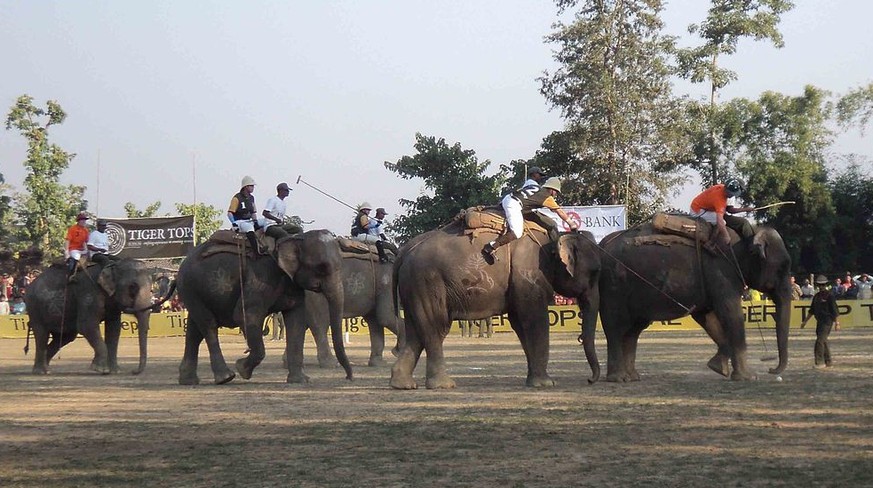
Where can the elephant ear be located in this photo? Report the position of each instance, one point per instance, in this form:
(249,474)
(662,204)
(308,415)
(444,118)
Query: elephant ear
(287,254)
(106,280)
(759,245)
(567,253)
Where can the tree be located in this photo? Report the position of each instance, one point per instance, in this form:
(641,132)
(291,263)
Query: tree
(856,107)
(852,234)
(624,134)
(150,211)
(778,145)
(453,174)
(6,214)
(48,208)
(206,219)
(727,22)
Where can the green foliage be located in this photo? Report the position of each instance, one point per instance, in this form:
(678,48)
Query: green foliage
(728,21)
(6,214)
(206,219)
(625,134)
(48,208)
(131,211)
(852,232)
(455,177)
(856,107)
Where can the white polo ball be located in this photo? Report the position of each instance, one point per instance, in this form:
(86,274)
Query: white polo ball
(778,378)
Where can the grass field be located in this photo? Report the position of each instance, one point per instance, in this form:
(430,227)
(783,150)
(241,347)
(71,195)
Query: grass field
(682,425)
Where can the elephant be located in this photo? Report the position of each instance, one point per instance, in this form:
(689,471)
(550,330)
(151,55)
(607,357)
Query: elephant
(650,276)
(63,307)
(223,289)
(367,284)
(441,276)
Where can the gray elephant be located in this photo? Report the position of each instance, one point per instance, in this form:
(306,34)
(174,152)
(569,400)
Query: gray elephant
(221,289)
(368,287)
(650,276)
(63,308)
(442,276)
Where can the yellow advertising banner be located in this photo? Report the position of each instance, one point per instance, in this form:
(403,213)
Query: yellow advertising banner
(562,318)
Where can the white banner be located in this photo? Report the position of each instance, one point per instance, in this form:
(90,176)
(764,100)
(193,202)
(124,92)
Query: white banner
(600,221)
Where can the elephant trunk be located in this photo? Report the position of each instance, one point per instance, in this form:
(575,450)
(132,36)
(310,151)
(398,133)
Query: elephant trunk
(589,305)
(782,300)
(334,295)
(142,319)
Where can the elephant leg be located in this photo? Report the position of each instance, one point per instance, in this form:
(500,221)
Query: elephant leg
(407,359)
(377,339)
(220,371)
(615,327)
(112,333)
(630,341)
(255,340)
(730,315)
(295,335)
(58,341)
(91,332)
(40,339)
(188,366)
(531,323)
(720,362)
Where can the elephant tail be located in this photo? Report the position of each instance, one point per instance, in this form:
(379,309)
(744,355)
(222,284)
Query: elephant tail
(27,342)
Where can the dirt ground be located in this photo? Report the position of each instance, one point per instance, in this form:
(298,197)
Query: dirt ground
(682,425)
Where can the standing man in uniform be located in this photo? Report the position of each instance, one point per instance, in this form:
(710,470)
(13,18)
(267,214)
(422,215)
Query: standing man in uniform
(274,212)
(824,309)
(75,243)
(242,212)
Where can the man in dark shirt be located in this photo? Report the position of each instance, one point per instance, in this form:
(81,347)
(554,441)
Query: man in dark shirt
(824,309)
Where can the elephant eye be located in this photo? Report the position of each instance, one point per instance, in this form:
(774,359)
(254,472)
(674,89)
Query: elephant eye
(322,269)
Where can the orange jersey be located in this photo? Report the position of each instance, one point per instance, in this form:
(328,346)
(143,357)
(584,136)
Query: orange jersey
(77,236)
(713,199)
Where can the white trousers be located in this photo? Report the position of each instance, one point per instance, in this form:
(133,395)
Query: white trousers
(248,225)
(514,219)
(76,254)
(707,215)
(369,239)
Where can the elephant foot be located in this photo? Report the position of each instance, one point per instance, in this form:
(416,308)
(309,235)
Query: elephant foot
(738,375)
(719,364)
(633,376)
(298,378)
(189,380)
(540,382)
(376,361)
(440,382)
(617,377)
(244,370)
(402,382)
(225,378)
(39,370)
(100,368)
(327,362)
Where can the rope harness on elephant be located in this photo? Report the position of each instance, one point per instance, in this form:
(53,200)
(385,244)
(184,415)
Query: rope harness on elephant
(242,291)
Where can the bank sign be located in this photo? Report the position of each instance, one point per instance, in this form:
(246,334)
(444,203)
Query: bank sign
(157,237)
(600,221)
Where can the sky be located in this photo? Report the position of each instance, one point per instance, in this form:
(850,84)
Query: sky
(177,101)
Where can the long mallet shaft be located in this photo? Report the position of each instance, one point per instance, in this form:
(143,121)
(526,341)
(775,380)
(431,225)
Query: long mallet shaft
(789,202)
(301,180)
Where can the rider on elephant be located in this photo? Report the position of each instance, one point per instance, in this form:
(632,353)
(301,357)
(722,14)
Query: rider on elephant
(242,212)
(274,212)
(712,204)
(521,204)
(369,230)
(535,177)
(75,243)
(98,244)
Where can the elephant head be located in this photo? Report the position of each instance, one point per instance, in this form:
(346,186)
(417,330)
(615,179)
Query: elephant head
(314,262)
(768,271)
(128,285)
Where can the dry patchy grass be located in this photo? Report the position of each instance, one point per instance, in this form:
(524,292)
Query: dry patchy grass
(680,426)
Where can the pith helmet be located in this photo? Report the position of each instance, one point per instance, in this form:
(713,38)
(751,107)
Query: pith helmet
(821,280)
(733,187)
(554,183)
(365,206)
(246,181)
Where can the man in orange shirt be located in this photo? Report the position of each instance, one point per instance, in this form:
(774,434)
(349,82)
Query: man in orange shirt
(712,204)
(75,244)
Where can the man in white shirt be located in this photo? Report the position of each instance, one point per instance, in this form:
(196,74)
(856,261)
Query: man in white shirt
(98,243)
(274,212)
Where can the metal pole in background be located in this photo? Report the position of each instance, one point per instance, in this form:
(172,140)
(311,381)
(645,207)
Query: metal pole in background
(301,180)
(194,187)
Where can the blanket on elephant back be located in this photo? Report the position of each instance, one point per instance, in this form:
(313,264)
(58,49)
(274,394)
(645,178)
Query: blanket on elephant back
(233,242)
(491,220)
(350,248)
(679,229)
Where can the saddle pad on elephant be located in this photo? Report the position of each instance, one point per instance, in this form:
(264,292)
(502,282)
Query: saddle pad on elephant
(227,240)
(351,248)
(492,218)
(665,240)
(687,226)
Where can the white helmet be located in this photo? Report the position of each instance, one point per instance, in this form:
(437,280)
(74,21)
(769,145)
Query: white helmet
(246,181)
(365,205)
(554,183)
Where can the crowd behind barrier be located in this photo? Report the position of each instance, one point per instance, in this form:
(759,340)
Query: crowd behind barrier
(562,318)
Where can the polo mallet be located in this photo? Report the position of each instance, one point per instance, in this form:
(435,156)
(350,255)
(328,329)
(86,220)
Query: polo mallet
(767,356)
(301,180)
(777,204)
